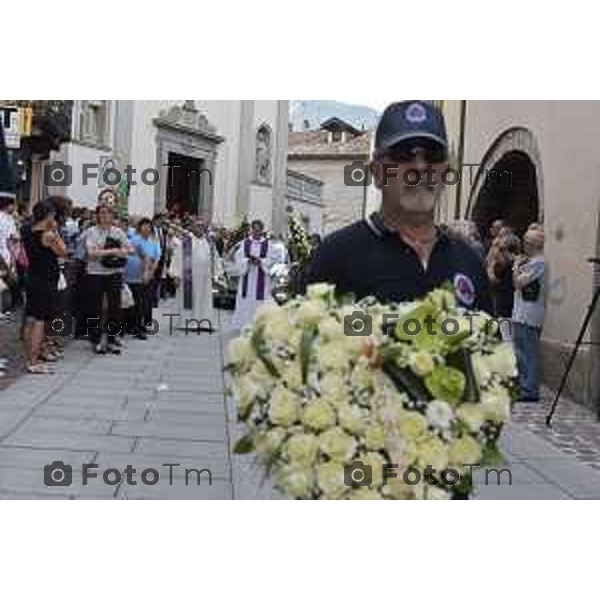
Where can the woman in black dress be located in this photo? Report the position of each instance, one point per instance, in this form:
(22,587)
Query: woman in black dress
(43,246)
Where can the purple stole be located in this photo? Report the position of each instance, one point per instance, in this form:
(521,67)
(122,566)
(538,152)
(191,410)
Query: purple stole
(188,289)
(260,281)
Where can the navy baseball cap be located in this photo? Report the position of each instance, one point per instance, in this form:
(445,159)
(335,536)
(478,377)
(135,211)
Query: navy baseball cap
(407,120)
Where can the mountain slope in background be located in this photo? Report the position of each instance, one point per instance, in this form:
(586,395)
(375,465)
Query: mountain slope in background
(309,114)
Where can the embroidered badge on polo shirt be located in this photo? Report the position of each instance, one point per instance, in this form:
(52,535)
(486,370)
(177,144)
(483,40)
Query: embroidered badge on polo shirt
(464,289)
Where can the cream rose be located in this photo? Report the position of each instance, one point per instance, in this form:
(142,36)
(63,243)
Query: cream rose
(246,390)
(331,329)
(319,415)
(439,414)
(375,437)
(435,493)
(333,356)
(240,350)
(495,404)
(310,312)
(413,425)
(330,479)
(337,445)
(362,376)
(280,330)
(284,409)
(464,451)
(421,363)
(472,415)
(351,417)
(432,452)
(502,361)
(292,376)
(270,441)
(296,482)
(268,312)
(481,368)
(302,449)
(365,493)
(320,291)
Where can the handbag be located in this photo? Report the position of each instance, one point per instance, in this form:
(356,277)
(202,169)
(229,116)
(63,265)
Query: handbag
(127,300)
(531,291)
(113,262)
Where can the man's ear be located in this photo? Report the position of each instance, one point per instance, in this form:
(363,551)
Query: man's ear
(377,172)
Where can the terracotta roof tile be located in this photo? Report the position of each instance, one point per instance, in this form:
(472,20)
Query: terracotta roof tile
(315,143)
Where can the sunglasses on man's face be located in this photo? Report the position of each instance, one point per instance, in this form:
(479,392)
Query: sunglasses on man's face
(406,153)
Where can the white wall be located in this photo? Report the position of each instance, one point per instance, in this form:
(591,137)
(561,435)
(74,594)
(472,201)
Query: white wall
(261,198)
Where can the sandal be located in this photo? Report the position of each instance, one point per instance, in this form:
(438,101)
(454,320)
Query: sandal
(39,369)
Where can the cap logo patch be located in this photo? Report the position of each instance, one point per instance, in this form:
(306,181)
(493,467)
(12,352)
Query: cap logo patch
(415,113)
(464,289)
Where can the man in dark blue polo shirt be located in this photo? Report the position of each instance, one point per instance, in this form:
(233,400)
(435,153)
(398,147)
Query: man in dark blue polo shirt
(398,254)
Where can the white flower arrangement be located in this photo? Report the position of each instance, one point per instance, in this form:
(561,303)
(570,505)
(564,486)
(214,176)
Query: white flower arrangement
(316,400)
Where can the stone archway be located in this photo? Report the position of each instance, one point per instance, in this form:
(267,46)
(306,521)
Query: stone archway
(508,184)
(184,132)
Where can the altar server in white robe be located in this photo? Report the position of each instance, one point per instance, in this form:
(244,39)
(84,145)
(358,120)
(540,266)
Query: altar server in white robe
(192,269)
(253,261)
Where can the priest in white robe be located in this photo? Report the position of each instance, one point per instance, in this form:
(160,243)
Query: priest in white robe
(253,262)
(192,268)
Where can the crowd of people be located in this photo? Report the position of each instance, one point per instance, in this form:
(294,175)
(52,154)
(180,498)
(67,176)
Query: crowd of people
(92,271)
(516,270)
(94,274)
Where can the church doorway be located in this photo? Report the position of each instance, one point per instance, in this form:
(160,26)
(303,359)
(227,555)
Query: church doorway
(184,192)
(509,192)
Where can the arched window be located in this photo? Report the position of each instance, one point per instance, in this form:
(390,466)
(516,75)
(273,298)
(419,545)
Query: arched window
(263,154)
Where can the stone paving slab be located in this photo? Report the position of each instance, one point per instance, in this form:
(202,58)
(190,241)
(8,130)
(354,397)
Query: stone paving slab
(163,401)
(219,490)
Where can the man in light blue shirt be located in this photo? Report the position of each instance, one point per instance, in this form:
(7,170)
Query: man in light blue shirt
(529,277)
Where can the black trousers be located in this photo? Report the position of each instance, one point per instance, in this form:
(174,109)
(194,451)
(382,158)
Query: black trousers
(151,295)
(98,288)
(137,314)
